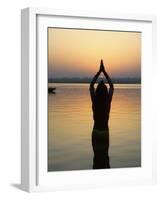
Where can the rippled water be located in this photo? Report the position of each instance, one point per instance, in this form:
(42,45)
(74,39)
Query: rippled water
(70,126)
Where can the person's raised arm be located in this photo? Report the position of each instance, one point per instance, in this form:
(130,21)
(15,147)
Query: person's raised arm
(92,84)
(108,80)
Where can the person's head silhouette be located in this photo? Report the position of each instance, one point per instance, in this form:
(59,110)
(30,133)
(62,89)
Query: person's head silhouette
(101,93)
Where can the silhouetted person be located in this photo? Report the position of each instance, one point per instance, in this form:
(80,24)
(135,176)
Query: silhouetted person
(101,104)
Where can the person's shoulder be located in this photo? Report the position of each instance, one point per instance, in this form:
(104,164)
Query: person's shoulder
(91,86)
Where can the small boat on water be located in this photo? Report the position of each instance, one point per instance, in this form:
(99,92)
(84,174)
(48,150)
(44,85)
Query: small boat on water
(51,90)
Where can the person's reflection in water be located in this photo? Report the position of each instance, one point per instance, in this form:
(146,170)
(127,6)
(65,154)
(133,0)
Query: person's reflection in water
(101,104)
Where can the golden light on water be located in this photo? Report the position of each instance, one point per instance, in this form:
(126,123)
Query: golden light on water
(71,124)
(74,53)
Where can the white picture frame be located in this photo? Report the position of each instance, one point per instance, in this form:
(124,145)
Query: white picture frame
(34,176)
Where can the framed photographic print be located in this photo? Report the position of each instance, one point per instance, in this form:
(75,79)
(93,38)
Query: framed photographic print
(86,99)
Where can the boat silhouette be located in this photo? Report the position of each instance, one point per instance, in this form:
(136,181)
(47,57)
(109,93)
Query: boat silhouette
(51,90)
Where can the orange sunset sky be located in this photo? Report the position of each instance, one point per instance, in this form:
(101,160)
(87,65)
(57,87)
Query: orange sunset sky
(77,53)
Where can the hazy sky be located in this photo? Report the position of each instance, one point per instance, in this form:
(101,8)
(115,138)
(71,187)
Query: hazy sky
(77,53)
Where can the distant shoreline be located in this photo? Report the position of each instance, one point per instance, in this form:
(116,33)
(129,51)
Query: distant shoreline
(88,80)
(89,83)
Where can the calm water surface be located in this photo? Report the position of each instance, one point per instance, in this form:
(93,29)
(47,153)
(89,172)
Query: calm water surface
(70,126)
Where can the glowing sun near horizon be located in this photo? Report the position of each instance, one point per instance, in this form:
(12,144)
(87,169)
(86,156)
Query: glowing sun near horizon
(77,52)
